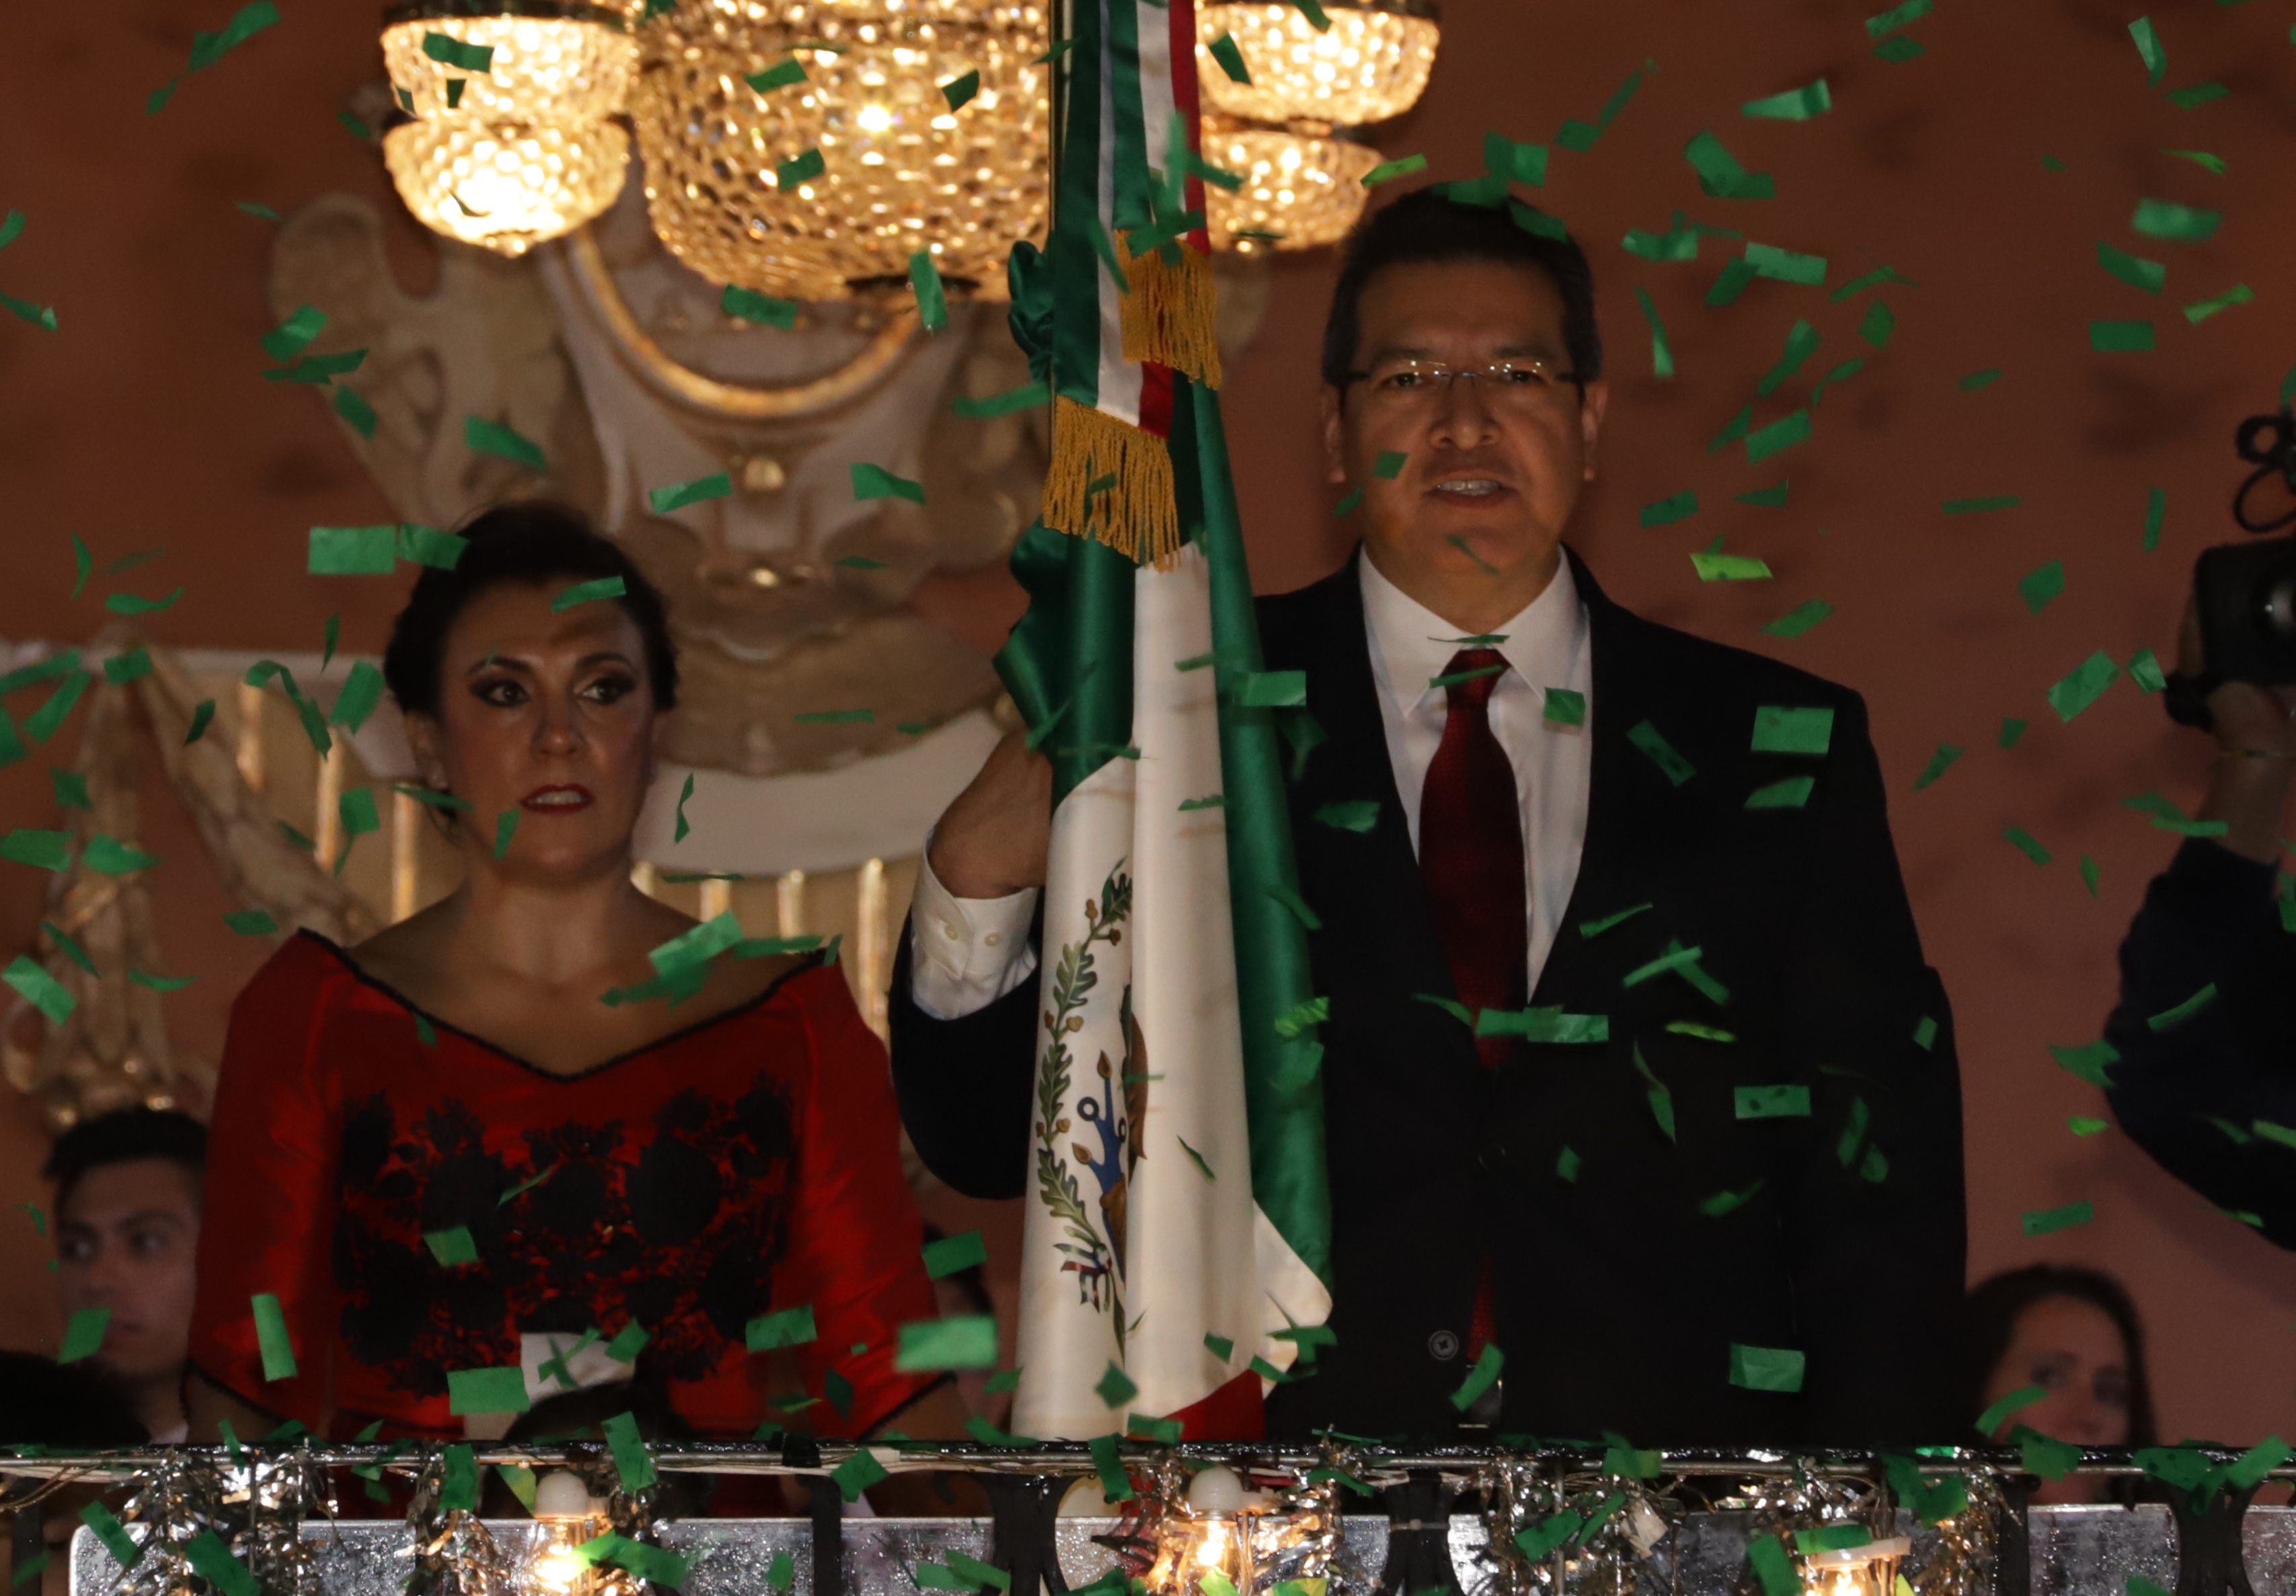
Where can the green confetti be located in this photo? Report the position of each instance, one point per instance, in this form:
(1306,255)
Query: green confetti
(1841,373)
(1795,105)
(270,1338)
(2200,157)
(1591,929)
(1735,430)
(1665,512)
(1781,729)
(2042,1221)
(1729,568)
(1317,18)
(1723,1204)
(718,485)
(2239,293)
(2121,336)
(1230,57)
(1544,1026)
(287,340)
(749,305)
(780,74)
(924,277)
(84,1335)
(251,922)
(212,1561)
(2083,685)
(1661,351)
(2024,842)
(2011,731)
(1654,746)
(585,593)
(128,604)
(1719,175)
(1791,793)
(1115,1485)
(1730,282)
(1216,800)
(1115,1388)
(452,1248)
(967,1342)
(1784,265)
(2192,96)
(1800,619)
(832,717)
(450,51)
(496,1390)
(633,1462)
(158,983)
(875,482)
(1772,1103)
(953,1255)
(133,665)
(1777,437)
(2040,587)
(1765,1368)
(2168,1019)
(800,168)
(107,1528)
(1389,464)
(790,1327)
(483,437)
(2149,48)
(1386,171)
(1197,1157)
(1879,322)
(1940,763)
(2158,219)
(1563,707)
(2131,269)
(857,1474)
(1347,506)
(506,828)
(108,855)
(1977,381)
(42,850)
(1481,1377)
(2088,874)
(1982,506)
(352,551)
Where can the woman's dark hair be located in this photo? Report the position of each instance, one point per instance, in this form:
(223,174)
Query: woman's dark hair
(1990,1324)
(522,545)
(1427,226)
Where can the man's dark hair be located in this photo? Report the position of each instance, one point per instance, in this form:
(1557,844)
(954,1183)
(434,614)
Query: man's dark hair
(521,545)
(1424,226)
(1989,1324)
(125,1137)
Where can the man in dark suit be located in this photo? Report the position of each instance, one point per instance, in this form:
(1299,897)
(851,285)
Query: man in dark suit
(1634,1065)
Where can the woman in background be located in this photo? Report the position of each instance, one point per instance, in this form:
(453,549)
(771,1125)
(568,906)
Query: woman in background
(492,1153)
(2074,1333)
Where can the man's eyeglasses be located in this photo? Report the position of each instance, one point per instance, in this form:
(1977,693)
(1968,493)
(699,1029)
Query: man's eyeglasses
(1519,384)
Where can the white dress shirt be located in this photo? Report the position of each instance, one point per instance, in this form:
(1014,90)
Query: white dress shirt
(967,952)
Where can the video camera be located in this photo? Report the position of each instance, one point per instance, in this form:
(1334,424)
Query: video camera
(2246,592)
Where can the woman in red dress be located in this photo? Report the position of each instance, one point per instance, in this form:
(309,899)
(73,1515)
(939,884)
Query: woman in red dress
(472,1165)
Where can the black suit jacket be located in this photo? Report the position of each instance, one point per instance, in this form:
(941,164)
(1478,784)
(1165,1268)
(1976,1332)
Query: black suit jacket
(2191,1094)
(1626,1263)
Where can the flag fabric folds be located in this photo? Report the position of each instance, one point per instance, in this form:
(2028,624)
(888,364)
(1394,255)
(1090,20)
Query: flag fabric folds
(1177,1222)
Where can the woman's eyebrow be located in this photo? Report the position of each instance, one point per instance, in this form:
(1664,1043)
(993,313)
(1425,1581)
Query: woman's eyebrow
(603,655)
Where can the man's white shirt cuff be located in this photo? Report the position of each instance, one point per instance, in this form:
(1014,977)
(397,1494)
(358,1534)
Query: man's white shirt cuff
(965,952)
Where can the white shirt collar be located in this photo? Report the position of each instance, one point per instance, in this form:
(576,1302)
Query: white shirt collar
(1412,645)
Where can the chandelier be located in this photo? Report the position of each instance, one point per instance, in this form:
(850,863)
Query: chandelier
(810,148)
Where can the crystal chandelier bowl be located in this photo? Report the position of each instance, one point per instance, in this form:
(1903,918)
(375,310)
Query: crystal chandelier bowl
(506,189)
(566,70)
(1303,188)
(899,170)
(1371,65)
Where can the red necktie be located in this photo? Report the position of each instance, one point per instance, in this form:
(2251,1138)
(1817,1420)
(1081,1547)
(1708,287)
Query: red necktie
(1470,852)
(1470,856)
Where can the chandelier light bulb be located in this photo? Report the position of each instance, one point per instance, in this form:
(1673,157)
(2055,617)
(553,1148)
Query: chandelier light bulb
(1372,64)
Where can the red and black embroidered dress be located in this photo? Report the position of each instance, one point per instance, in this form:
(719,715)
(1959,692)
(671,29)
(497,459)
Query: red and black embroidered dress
(743,1166)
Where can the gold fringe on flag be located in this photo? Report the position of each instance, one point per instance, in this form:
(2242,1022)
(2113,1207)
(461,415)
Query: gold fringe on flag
(1111,482)
(1168,313)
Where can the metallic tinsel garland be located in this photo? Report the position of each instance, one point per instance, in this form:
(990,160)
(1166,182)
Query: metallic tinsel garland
(174,1500)
(1806,1501)
(1969,1543)
(454,1554)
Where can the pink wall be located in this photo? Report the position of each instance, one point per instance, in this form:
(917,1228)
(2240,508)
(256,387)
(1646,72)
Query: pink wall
(143,422)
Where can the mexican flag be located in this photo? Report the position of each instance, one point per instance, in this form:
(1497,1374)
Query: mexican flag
(1178,1236)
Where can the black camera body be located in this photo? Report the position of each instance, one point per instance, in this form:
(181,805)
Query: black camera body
(2246,592)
